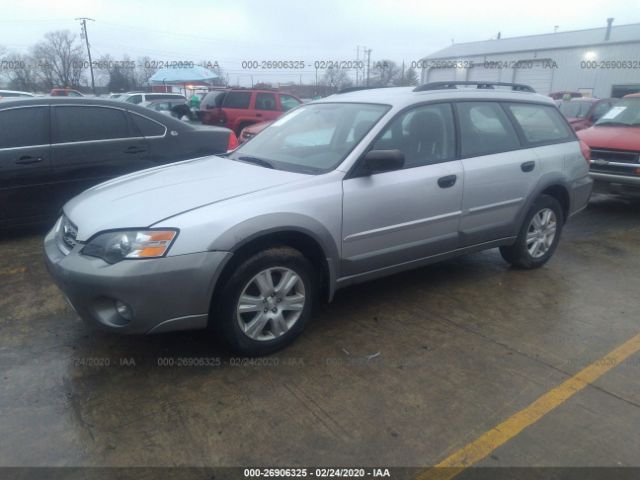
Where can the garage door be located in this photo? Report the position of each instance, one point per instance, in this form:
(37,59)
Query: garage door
(534,73)
(481,74)
(441,74)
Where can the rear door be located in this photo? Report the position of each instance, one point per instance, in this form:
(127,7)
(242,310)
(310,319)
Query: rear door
(498,172)
(25,164)
(92,144)
(236,106)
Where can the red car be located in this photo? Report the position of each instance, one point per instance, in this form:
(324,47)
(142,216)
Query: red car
(65,92)
(251,131)
(584,112)
(614,141)
(240,107)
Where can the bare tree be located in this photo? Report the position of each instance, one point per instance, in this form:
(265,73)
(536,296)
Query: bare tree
(22,73)
(60,59)
(145,68)
(410,77)
(337,78)
(384,73)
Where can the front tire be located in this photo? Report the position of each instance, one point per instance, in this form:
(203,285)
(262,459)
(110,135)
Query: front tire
(538,236)
(267,302)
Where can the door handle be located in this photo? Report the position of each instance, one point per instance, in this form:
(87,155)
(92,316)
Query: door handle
(135,150)
(448,181)
(27,160)
(528,166)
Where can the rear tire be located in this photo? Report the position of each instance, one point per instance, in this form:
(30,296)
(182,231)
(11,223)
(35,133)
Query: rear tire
(538,236)
(266,303)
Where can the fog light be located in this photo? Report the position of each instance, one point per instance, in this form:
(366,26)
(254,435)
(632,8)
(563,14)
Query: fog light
(123,310)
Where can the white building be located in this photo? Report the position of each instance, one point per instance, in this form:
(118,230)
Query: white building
(598,62)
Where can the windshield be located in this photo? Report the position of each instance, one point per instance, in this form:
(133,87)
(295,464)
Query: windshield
(313,138)
(626,112)
(574,109)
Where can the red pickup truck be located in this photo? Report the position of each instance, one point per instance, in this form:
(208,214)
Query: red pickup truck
(240,107)
(614,141)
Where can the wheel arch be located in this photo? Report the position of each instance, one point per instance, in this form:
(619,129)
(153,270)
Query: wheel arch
(304,234)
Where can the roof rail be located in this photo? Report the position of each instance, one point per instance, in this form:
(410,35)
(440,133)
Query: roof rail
(516,87)
(356,89)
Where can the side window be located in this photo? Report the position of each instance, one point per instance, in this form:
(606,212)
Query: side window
(265,101)
(485,129)
(135,99)
(146,127)
(74,94)
(425,135)
(78,124)
(22,127)
(540,123)
(287,102)
(600,110)
(237,100)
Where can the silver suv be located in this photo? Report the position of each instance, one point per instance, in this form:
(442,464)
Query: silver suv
(338,191)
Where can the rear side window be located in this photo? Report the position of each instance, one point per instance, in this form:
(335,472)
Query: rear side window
(485,129)
(540,123)
(213,99)
(22,127)
(237,100)
(79,124)
(265,101)
(147,127)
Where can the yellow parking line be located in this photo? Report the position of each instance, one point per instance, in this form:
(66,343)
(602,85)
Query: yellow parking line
(12,271)
(498,435)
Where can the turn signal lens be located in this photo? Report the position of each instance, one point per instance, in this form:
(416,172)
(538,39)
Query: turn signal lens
(233,142)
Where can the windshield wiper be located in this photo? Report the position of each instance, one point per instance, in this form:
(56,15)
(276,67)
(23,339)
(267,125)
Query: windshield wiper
(257,161)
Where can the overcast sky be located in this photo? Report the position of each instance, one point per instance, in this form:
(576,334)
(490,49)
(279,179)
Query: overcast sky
(232,31)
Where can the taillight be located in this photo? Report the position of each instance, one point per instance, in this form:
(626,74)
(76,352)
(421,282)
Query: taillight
(233,142)
(586,152)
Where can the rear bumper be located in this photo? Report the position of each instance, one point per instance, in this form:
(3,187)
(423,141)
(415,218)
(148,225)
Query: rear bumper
(581,192)
(164,294)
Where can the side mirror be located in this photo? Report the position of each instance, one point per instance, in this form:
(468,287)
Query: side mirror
(376,161)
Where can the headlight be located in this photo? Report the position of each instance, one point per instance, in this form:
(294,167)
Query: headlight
(115,246)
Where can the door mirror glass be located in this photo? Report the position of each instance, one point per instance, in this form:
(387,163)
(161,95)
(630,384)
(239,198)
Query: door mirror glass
(377,161)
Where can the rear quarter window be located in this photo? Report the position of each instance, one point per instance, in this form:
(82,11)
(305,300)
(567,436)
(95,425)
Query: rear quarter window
(541,123)
(237,100)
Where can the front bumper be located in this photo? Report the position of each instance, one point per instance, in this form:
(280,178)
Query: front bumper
(617,184)
(164,294)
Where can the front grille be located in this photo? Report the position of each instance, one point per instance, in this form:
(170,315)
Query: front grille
(616,162)
(66,235)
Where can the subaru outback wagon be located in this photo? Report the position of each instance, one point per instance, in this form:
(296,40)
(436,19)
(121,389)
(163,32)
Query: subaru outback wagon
(341,190)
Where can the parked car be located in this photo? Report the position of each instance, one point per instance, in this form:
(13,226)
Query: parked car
(565,93)
(14,94)
(51,149)
(343,190)
(584,112)
(177,108)
(251,131)
(615,148)
(65,92)
(239,108)
(139,97)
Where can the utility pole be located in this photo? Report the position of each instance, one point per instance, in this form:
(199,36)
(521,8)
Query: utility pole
(83,22)
(357,62)
(367,52)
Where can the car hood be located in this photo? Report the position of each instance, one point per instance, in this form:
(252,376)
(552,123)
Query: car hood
(618,138)
(146,197)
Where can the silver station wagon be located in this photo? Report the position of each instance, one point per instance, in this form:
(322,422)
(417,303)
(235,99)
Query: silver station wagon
(341,190)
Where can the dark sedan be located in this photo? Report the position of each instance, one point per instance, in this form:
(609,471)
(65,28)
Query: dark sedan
(51,149)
